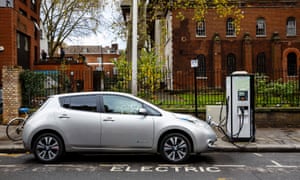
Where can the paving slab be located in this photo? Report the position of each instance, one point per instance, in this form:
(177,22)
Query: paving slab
(266,140)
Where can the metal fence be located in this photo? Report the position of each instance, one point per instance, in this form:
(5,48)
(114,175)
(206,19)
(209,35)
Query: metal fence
(166,89)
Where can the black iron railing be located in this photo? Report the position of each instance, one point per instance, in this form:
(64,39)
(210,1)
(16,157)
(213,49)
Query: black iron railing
(275,89)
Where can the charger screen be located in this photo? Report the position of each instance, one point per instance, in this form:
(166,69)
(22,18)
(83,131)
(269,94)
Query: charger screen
(243,95)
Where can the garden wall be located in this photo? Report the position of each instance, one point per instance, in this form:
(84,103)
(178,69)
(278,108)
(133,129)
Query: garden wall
(264,117)
(278,117)
(11,92)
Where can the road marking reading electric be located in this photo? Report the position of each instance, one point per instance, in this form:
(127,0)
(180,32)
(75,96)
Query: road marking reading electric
(165,168)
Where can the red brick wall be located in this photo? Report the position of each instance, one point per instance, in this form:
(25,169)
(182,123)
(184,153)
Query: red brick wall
(187,46)
(7,37)
(11,22)
(11,94)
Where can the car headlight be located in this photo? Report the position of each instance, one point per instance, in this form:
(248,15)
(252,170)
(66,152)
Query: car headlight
(190,119)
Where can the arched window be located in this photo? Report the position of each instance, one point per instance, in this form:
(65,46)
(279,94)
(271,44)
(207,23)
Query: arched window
(292,64)
(291,26)
(230,27)
(261,63)
(260,27)
(200,28)
(201,70)
(231,63)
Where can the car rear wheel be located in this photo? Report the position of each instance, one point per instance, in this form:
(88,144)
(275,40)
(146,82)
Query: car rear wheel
(175,148)
(48,147)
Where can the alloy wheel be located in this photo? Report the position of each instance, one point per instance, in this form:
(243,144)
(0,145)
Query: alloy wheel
(175,148)
(48,148)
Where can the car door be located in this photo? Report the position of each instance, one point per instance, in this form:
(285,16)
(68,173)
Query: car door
(123,126)
(79,120)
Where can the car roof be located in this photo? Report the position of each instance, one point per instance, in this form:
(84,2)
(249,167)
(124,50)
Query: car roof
(91,93)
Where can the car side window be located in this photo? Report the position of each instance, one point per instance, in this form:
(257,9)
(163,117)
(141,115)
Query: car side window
(82,103)
(151,111)
(121,105)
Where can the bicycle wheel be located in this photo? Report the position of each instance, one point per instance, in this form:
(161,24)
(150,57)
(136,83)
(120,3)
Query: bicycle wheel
(14,129)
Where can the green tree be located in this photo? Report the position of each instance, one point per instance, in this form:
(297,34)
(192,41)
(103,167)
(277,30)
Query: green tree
(32,85)
(149,73)
(123,67)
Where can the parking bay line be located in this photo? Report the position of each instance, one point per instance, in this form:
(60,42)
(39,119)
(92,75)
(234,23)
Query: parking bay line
(230,166)
(8,166)
(278,165)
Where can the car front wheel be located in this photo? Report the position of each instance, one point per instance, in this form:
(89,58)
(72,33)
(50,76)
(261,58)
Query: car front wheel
(48,147)
(175,148)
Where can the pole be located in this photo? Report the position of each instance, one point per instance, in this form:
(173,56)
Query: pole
(196,99)
(102,71)
(134,47)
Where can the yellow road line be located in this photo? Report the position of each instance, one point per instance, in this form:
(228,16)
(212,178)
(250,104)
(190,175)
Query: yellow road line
(11,155)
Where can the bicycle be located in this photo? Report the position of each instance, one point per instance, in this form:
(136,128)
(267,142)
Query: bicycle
(15,126)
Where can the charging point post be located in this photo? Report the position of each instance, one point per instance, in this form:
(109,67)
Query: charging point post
(240,107)
(194,65)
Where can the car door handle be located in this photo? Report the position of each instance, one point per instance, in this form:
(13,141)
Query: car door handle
(108,119)
(63,116)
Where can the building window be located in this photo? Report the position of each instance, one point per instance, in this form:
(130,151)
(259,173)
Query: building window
(23,12)
(36,28)
(33,5)
(291,26)
(200,28)
(18,41)
(231,63)
(261,63)
(201,70)
(260,27)
(292,64)
(230,27)
(26,44)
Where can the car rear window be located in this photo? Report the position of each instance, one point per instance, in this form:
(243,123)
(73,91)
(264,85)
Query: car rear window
(81,102)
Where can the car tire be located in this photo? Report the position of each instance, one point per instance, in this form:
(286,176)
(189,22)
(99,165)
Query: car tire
(48,147)
(175,148)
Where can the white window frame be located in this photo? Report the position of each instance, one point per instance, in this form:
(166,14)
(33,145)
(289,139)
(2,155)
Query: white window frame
(201,29)
(291,26)
(230,28)
(261,27)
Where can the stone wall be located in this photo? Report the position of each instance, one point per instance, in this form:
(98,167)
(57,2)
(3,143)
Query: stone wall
(11,92)
(281,117)
(278,117)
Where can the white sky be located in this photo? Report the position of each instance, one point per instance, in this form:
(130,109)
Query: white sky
(106,38)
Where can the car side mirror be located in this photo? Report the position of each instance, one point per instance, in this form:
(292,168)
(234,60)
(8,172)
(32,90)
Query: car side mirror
(143,111)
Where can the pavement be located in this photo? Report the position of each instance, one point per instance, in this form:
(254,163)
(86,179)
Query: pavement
(266,140)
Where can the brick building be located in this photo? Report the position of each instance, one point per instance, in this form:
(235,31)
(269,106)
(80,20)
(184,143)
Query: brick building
(84,65)
(268,43)
(19,32)
(97,57)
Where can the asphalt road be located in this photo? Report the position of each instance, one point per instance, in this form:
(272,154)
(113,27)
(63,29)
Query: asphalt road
(208,166)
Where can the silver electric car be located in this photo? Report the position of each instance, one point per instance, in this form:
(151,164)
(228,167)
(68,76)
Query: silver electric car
(112,122)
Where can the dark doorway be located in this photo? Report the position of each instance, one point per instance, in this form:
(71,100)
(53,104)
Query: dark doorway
(97,80)
(292,64)
(23,45)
